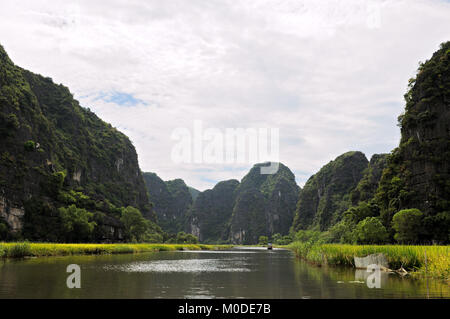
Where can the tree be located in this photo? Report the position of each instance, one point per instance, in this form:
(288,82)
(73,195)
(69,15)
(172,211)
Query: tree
(370,231)
(285,240)
(281,240)
(263,240)
(407,224)
(153,238)
(307,235)
(183,238)
(343,232)
(276,238)
(437,227)
(135,224)
(77,224)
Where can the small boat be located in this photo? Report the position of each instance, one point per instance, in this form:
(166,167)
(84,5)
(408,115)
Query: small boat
(269,246)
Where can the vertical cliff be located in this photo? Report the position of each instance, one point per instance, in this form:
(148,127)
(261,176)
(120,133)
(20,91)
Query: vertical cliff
(418,171)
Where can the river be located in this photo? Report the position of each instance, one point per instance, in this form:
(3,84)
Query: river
(235,273)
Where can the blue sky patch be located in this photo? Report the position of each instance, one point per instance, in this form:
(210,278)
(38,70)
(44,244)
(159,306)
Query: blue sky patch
(120,98)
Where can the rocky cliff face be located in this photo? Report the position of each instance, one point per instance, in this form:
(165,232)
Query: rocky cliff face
(51,148)
(171,201)
(265,205)
(418,172)
(210,214)
(326,195)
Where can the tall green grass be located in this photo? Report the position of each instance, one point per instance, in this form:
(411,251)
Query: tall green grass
(411,258)
(16,250)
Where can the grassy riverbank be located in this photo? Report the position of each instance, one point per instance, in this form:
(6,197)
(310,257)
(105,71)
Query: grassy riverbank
(17,250)
(411,258)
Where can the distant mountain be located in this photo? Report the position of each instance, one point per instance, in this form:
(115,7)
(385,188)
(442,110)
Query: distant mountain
(326,194)
(265,205)
(171,201)
(261,205)
(209,218)
(55,153)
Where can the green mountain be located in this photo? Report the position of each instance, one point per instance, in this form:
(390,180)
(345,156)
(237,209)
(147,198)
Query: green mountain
(326,194)
(210,214)
(418,171)
(261,205)
(171,201)
(265,205)
(55,153)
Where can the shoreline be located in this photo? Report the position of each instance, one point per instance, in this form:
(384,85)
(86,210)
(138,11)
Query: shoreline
(25,249)
(418,261)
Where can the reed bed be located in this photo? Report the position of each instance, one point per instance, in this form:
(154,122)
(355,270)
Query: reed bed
(25,249)
(432,261)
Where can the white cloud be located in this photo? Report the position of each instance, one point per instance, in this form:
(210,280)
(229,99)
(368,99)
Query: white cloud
(330,74)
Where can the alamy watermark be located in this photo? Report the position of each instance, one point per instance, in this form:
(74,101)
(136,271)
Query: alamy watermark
(374,279)
(227,146)
(74,279)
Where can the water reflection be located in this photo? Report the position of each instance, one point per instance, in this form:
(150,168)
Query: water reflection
(184,265)
(240,273)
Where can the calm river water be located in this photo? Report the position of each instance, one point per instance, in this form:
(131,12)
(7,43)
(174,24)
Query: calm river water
(236,273)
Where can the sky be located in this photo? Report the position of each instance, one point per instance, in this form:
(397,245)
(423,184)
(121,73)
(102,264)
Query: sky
(329,75)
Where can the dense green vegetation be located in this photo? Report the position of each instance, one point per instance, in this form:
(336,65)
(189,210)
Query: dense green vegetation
(276,239)
(407,224)
(65,173)
(139,229)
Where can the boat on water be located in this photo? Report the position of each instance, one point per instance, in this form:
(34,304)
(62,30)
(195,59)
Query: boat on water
(269,246)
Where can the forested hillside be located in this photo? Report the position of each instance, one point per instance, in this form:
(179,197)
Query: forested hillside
(64,173)
(326,195)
